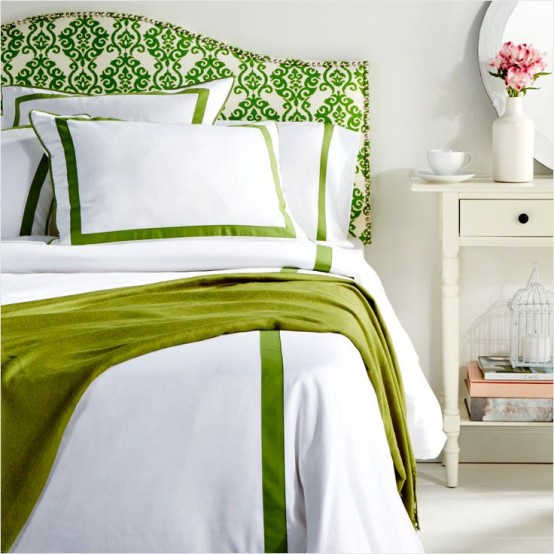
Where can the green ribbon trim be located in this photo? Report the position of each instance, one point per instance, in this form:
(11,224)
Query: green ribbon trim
(323,162)
(51,228)
(273,443)
(323,258)
(72,179)
(30,98)
(197,116)
(33,197)
(201,104)
(276,174)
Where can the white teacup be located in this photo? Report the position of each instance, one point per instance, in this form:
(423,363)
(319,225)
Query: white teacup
(447,162)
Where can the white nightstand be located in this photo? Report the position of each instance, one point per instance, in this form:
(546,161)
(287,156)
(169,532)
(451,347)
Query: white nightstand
(480,212)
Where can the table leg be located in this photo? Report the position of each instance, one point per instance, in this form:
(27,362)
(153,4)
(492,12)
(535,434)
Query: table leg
(450,334)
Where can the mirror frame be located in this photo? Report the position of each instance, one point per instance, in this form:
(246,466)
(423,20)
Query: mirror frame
(491,39)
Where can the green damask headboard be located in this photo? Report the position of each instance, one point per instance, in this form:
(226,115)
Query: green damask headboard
(96,53)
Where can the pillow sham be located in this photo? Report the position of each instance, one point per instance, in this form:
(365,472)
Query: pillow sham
(26,189)
(120,180)
(200,103)
(317,163)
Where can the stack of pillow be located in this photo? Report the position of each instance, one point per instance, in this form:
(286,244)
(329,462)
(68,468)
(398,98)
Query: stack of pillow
(153,165)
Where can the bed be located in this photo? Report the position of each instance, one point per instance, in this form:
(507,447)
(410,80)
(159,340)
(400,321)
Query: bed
(196,356)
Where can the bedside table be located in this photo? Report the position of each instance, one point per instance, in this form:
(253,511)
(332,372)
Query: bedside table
(480,212)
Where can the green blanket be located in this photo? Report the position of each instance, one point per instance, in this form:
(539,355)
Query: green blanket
(53,349)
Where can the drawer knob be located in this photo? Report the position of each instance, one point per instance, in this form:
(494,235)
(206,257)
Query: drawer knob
(523,218)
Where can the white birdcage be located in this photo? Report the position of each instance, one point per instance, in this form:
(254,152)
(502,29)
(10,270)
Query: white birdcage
(531,325)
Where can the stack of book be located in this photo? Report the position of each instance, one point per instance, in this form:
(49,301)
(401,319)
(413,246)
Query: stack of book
(496,391)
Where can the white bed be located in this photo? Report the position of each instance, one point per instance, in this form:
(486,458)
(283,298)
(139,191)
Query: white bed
(158,457)
(181,448)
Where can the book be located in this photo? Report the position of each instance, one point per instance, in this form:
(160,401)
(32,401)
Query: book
(509,409)
(479,386)
(500,368)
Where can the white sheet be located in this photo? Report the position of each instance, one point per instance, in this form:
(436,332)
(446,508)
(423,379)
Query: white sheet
(128,442)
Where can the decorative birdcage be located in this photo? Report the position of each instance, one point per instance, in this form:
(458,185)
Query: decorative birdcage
(531,325)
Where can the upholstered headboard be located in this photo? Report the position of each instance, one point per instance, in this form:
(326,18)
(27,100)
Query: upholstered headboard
(97,53)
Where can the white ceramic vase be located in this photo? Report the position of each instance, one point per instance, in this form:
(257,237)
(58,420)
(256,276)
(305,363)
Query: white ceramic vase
(512,144)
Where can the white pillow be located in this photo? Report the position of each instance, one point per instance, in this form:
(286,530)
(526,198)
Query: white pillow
(318,162)
(26,186)
(200,103)
(119,180)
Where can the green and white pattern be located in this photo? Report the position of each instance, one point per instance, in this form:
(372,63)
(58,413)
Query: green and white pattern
(94,53)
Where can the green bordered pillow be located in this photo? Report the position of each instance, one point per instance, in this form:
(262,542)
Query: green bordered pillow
(317,163)
(26,187)
(200,103)
(120,180)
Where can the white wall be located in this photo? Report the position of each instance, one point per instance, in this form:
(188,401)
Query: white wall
(426,92)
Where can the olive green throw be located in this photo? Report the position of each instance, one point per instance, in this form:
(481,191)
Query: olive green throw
(53,349)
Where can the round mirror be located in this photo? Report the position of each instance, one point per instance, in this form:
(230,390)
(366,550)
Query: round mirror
(530,22)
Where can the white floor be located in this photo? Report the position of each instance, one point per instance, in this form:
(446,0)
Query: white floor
(497,508)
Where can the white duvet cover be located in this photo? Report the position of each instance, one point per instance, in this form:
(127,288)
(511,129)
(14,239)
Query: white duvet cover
(162,453)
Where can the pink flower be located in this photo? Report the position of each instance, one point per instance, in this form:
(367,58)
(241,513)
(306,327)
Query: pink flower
(505,58)
(519,65)
(518,79)
(529,58)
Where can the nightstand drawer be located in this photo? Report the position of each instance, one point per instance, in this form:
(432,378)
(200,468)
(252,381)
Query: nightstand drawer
(506,218)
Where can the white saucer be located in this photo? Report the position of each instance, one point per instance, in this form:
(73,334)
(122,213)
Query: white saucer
(434,178)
